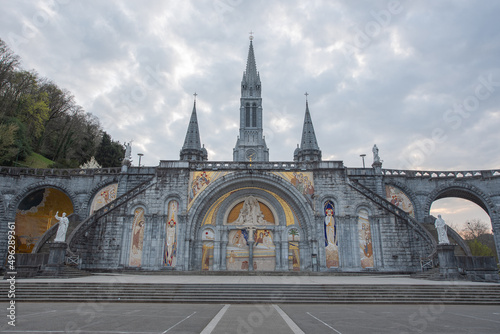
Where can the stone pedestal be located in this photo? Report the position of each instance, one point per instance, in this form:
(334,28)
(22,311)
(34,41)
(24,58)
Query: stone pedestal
(448,267)
(57,256)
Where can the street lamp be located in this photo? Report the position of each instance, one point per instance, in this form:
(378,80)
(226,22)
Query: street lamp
(140,156)
(363,157)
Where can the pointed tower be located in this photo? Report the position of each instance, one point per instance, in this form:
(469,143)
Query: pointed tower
(192,150)
(251,145)
(309,149)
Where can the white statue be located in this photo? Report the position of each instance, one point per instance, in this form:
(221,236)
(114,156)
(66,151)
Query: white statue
(376,158)
(63,227)
(441,227)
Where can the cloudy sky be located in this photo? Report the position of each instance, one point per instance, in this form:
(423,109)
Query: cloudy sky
(419,79)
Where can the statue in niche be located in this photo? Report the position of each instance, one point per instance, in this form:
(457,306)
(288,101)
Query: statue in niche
(441,228)
(251,214)
(63,227)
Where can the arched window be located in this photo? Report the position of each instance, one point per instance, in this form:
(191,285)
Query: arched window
(254,115)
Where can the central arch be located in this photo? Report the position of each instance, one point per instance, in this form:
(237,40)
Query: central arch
(221,195)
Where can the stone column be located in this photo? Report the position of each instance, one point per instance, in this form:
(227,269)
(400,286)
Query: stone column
(217,255)
(277,250)
(198,255)
(250,255)
(284,254)
(447,261)
(223,249)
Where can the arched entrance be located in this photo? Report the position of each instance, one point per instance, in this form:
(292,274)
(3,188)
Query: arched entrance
(35,214)
(242,223)
(461,208)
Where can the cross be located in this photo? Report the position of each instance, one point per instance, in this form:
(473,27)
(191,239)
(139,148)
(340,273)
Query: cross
(195,95)
(251,35)
(306,94)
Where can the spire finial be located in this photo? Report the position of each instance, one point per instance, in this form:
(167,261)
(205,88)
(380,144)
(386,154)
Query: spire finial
(195,95)
(251,35)
(306,94)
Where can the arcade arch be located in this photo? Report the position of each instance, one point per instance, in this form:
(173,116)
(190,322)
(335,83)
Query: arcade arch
(35,214)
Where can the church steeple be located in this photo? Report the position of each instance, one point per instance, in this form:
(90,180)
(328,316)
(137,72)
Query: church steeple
(251,145)
(250,84)
(192,149)
(309,149)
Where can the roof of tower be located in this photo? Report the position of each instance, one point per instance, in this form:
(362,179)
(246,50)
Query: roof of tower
(192,140)
(251,74)
(308,141)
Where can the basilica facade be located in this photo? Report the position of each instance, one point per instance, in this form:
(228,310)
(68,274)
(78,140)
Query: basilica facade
(249,214)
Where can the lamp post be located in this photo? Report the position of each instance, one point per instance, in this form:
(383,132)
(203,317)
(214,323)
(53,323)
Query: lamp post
(140,156)
(363,157)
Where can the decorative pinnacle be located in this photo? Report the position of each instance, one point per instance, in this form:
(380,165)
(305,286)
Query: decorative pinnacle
(306,94)
(195,95)
(251,35)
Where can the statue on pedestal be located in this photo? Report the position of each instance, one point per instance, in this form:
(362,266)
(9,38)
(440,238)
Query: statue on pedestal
(63,227)
(376,158)
(441,228)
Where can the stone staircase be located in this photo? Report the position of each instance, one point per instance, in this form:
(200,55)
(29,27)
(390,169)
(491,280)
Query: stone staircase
(32,291)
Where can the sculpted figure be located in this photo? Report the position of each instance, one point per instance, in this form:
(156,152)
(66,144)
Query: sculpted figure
(251,214)
(63,227)
(376,158)
(441,227)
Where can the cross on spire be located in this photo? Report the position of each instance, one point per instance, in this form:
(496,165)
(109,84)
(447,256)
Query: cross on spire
(306,94)
(251,35)
(195,95)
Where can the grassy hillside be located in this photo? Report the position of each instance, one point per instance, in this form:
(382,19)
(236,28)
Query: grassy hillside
(36,160)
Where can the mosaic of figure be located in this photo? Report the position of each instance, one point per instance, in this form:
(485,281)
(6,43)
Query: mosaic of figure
(137,238)
(293,250)
(103,197)
(264,251)
(237,250)
(169,258)
(365,239)
(397,197)
(199,182)
(331,242)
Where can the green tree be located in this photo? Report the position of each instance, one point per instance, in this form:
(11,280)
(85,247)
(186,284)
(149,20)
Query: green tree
(109,153)
(477,248)
(8,149)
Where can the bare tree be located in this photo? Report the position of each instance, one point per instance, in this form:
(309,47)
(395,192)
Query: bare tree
(474,228)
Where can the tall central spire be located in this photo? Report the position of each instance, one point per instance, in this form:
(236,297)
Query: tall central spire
(250,85)
(251,145)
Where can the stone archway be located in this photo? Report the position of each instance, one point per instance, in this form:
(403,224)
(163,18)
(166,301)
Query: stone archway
(221,196)
(470,193)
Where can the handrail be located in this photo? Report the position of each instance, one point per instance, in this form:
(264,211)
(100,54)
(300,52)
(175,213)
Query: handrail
(414,224)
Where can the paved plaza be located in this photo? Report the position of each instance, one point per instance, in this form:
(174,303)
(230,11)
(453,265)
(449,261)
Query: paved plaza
(148,318)
(116,318)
